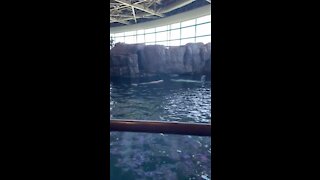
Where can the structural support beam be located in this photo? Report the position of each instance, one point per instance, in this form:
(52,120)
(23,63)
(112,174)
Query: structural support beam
(119,20)
(140,7)
(124,10)
(176,5)
(128,17)
(134,14)
(125,6)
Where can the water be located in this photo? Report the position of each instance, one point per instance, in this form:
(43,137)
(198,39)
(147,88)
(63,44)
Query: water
(160,156)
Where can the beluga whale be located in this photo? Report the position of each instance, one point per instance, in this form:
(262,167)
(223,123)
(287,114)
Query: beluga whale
(202,80)
(151,82)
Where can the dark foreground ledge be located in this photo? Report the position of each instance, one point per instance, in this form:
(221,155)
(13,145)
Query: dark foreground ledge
(181,128)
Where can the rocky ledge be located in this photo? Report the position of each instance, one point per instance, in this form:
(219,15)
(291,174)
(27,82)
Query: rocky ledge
(137,60)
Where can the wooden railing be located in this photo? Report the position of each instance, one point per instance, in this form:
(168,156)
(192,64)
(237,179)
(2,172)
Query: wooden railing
(165,127)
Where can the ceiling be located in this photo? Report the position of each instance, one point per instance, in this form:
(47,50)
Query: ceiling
(126,12)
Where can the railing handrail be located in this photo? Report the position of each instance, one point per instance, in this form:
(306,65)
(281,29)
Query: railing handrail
(165,127)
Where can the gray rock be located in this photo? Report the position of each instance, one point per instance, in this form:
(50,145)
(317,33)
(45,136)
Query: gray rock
(133,60)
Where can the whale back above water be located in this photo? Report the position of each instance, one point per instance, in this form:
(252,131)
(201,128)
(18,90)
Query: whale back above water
(151,82)
(202,80)
(185,80)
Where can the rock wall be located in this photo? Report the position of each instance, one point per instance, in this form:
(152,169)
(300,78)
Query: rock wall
(135,60)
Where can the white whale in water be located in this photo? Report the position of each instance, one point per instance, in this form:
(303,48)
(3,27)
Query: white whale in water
(203,79)
(185,80)
(151,82)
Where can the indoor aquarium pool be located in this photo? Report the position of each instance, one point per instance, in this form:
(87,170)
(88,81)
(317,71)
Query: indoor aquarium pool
(160,156)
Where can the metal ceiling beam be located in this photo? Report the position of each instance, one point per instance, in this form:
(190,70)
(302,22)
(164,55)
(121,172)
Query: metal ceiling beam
(140,7)
(126,6)
(175,5)
(119,20)
(149,13)
(146,16)
(129,17)
(184,16)
(134,14)
(147,4)
(150,3)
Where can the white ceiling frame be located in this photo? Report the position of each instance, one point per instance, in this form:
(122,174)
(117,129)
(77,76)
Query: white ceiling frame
(119,20)
(140,7)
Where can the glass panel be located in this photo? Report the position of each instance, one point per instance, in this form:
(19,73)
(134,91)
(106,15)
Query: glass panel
(140,31)
(175,34)
(188,32)
(188,23)
(186,41)
(130,39)
(150,37)
(204,39)
(130,33)
(119,34)
(119,39)
(204,19)
(164,43)
(174,43)
(162,28)
(204,29)
(174,26)
(150,30)
(150,43)
(162,36)
(140,39)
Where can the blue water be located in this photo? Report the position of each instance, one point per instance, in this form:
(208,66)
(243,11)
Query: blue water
(160,156)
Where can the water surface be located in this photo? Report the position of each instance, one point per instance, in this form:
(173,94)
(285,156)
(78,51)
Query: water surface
(160,156)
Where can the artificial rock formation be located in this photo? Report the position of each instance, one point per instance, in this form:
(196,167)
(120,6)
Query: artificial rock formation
(134,60)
